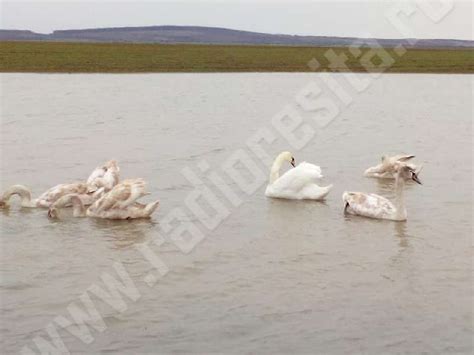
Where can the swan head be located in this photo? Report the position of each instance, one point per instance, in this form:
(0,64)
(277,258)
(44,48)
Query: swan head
(53,213)
(287,156)
(407,172)
(112,165)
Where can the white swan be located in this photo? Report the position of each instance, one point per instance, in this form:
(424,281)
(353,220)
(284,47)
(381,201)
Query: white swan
(50,196)
(106,176)
(297,183)
(375,206)
(119,203)
(386,169)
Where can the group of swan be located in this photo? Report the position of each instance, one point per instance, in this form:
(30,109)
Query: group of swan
(102,192)
(376,206)
(108,198)
(299,183)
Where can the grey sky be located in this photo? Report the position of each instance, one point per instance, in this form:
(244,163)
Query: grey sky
(331,18)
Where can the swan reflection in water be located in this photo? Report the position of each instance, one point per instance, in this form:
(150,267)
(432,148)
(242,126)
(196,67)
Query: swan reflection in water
(123,234)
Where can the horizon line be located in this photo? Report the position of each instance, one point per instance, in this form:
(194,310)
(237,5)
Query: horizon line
(233,29)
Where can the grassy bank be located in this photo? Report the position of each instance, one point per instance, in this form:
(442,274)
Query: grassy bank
(132,58)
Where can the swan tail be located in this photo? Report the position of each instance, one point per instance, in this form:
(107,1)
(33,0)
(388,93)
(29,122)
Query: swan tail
(327,190)
(151,207)
(370,172)
(315,192)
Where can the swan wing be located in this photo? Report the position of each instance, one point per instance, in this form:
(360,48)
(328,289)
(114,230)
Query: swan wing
(54,193)
(133,211)
(311,169)
(374,170)
(98,173)
(402,157)
(315,192)
(63,201)
(368,205)
(386,170)
(106,176)
(121,196)
(297,178)
(90,197)
(108,181)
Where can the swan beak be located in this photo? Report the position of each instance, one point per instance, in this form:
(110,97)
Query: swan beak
(414,177)
(293,162)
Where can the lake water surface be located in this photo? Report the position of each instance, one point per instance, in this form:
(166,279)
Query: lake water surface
(274,277)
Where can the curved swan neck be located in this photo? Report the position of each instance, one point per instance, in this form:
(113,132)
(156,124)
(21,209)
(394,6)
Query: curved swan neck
(23,192)
(78,209)
(275,170)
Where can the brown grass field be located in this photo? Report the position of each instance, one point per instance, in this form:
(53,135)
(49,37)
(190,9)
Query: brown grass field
(64,57)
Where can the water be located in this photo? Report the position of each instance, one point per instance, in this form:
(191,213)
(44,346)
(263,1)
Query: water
(275,276)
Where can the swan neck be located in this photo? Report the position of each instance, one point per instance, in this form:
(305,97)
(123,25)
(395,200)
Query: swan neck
(78,208)
(22,192)
(275,170)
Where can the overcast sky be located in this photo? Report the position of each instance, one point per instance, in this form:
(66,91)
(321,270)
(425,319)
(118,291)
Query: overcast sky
(330,18)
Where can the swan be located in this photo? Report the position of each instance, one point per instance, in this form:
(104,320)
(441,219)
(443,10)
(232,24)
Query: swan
(297,183)
(81,189)
(375,206)
(385,170)
(118,203)
(106,176)
(101,180)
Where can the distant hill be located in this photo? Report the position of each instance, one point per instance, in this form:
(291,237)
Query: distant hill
(211,35)
(19,35)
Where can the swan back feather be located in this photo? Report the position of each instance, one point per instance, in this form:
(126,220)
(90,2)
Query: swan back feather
(50,196)
(106,176)
(368,205)
(121,196)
